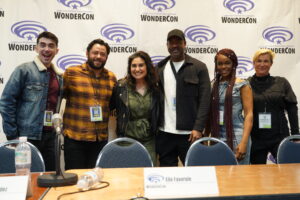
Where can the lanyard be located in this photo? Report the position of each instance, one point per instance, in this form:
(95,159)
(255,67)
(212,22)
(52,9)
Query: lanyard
(96,91)
(173,70)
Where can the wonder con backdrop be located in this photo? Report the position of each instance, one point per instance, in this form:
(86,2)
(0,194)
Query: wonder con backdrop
(131,25)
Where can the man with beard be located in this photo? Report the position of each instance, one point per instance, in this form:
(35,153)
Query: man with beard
(186,86)
(87,89)
(31,96)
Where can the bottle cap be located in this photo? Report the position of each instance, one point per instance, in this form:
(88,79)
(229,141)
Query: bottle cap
(23,139)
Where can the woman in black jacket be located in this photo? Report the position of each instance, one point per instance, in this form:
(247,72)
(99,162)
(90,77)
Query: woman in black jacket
(136,99)
(273,96)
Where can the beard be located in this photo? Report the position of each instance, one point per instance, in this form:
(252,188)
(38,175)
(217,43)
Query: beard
(91,64)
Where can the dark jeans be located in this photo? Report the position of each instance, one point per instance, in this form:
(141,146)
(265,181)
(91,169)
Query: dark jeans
(170,146)
(260,150)
(81,154)
(47,148)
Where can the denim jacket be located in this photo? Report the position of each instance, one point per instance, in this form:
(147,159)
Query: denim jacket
(24,98)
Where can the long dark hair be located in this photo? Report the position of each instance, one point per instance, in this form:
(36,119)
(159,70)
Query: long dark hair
(214,114)
(151,77)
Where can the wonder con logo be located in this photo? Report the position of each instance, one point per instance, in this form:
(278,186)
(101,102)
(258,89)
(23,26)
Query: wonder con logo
(160,11)
(238,6)
(27,31)
(278,38)
(70,60)
(156,59)
(74,4)
(159,5)
(277,34)
(77,10)
(155,178)
(245,67)
(200,34)
(119,33)
(155,181)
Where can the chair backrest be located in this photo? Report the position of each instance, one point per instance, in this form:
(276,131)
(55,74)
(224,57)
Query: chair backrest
(216,154)
(122,153)
(289,150)
(7,157)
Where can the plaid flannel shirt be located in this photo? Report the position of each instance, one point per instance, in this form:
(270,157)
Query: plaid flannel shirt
(83,90)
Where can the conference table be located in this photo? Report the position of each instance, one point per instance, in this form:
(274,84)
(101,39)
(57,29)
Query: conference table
(270,181)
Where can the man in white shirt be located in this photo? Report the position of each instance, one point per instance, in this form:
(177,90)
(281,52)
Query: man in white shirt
(186,90)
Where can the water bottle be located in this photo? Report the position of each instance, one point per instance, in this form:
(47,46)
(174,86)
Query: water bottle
(23,162)
(23,157)
(90,179)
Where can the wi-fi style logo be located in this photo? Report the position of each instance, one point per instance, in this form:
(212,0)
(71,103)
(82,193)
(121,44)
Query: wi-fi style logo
(117,32)
(70,60)
(238,6)
(157,59)
(154,178)
(277,34)
(75,3)
(199,33)
(27,29)
(245,65)
(159,5)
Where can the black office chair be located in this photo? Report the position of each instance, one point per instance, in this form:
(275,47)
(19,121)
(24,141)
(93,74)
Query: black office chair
(122,153)
(216,154)
(7,157)
(289,150)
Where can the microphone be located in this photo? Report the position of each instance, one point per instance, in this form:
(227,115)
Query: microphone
(59,178)
(57,122)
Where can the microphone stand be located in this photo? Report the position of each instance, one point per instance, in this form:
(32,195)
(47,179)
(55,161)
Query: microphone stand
(59,178)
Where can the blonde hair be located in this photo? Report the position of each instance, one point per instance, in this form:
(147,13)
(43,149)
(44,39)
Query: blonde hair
(264,51)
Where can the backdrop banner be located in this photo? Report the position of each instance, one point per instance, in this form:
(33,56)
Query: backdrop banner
(132,25)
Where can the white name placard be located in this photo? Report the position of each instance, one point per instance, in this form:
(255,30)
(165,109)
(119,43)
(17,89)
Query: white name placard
(13,187)
(175,182)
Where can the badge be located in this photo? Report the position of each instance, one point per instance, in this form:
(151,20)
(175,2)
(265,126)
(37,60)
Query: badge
(264,120)
(48,118)
(174,103)
(221,122)
(96,113)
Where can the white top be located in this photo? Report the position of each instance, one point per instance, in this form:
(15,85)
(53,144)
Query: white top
(170,99)
(23,139)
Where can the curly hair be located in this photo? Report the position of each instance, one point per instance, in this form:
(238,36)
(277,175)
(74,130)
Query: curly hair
(98,41)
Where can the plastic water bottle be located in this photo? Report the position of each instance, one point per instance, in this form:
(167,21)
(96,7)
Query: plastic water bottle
(90,179)
(23,162)
(23,157)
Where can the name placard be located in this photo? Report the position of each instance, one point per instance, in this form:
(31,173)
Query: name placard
(175,182)
(13,187)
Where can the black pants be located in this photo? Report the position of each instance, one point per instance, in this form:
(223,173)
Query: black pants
(260,150)
(47,148)
(81,154)
(170,146)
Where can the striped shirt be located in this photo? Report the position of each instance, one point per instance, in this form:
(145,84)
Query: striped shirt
(82,90)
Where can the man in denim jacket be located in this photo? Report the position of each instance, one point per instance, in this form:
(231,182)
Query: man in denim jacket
(31,96)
